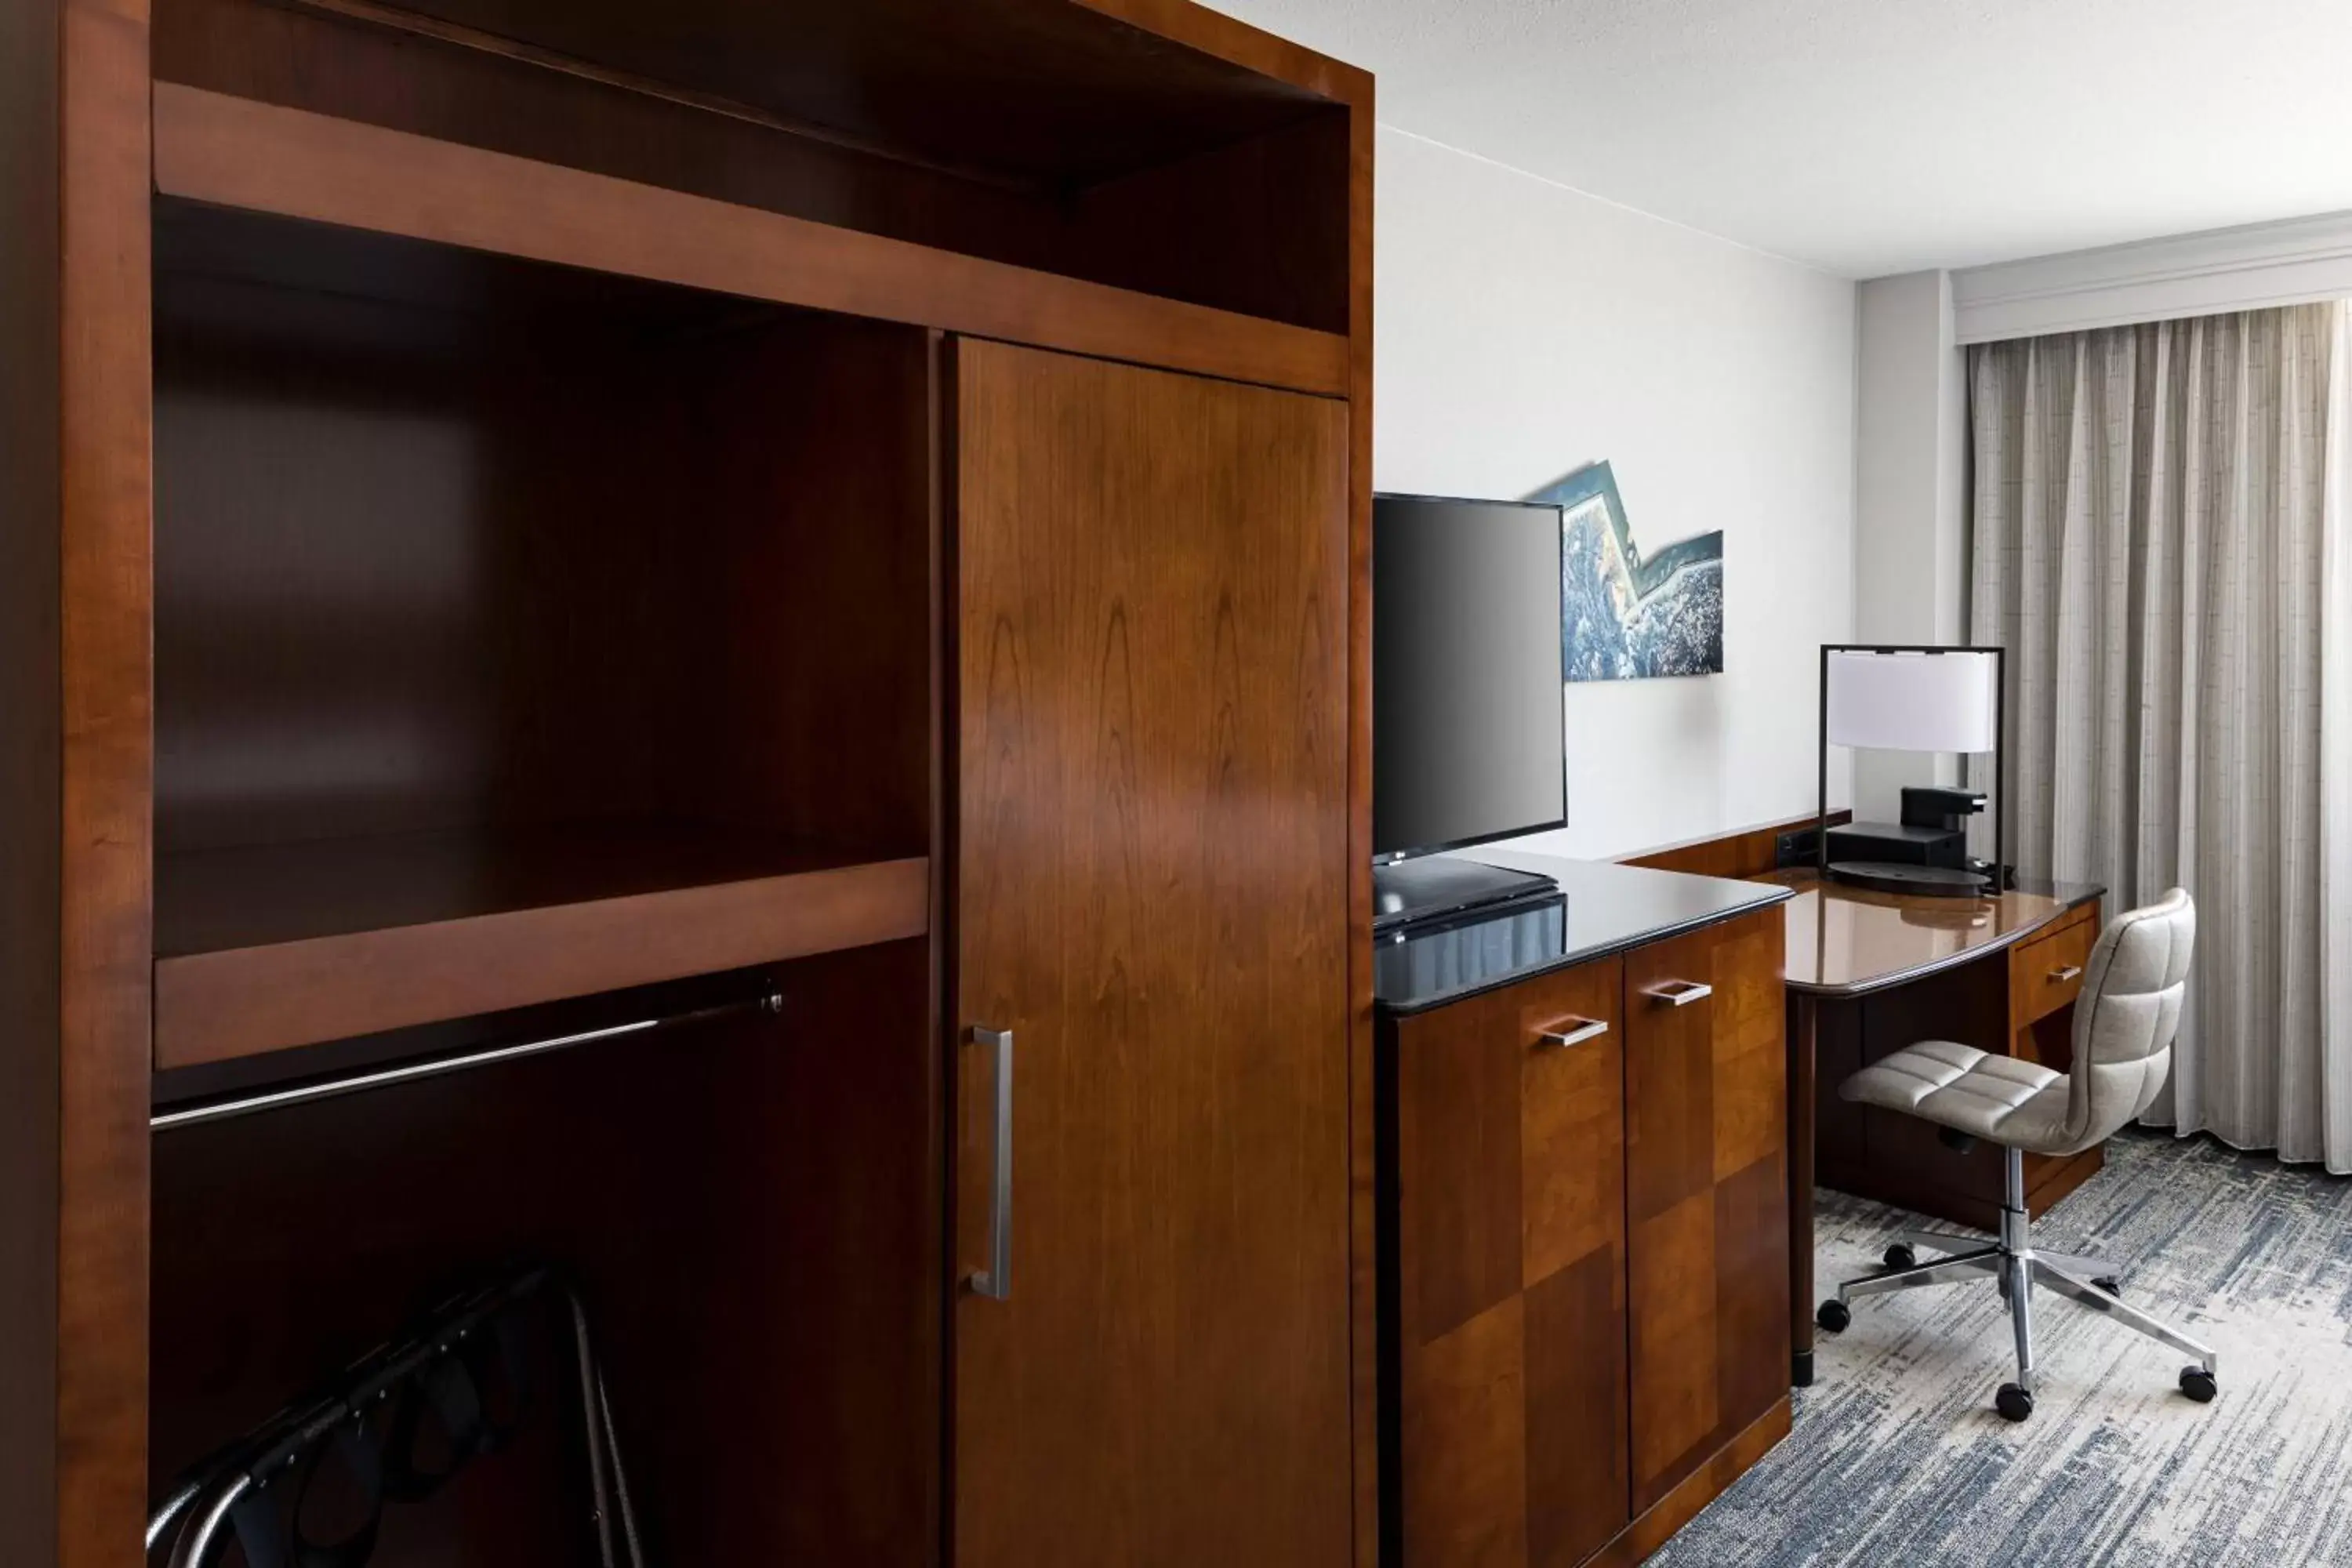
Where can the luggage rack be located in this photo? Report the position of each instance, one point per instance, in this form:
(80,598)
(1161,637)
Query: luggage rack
(371,1414)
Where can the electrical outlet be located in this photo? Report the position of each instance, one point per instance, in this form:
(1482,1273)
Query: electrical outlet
(1795,847)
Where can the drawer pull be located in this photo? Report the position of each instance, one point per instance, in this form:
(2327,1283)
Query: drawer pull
(2060,977)
(1576,1031)
(1681,993)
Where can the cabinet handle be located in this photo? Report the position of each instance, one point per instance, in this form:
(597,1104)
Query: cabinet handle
(1575,1031)
(2060,977)
(995,1281)
(1681,993)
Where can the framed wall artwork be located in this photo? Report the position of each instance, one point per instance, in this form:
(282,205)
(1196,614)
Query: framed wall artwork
(1626,615)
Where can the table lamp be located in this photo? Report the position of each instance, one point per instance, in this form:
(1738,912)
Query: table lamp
(1913,699)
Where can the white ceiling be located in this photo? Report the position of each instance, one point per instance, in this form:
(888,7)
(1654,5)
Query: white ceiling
(1877,136)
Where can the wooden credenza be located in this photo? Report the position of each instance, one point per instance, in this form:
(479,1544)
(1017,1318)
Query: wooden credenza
(1586,1185)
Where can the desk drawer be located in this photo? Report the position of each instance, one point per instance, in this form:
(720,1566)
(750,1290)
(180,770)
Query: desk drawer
(2046,975)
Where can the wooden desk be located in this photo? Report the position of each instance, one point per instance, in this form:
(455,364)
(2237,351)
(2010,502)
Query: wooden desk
(1869,974)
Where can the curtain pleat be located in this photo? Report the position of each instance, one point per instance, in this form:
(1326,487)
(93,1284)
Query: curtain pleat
(2159,515)
(2335,1066)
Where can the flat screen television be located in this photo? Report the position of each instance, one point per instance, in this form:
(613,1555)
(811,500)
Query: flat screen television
(1468,737)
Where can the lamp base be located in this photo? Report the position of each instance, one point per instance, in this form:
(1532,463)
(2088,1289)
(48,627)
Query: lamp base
(1933,881)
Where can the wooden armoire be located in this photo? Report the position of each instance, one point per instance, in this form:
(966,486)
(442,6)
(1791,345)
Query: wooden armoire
(519,517)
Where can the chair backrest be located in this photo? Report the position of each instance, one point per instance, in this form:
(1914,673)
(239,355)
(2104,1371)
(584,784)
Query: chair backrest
(2126,1014)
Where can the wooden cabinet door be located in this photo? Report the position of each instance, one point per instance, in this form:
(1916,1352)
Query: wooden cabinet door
(1706,1193)
(1150,897)
(1509,1299)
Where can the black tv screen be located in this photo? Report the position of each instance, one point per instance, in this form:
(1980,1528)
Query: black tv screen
(1467,734)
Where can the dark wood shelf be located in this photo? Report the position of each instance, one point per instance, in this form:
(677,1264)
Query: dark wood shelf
(265,158)
(265,948)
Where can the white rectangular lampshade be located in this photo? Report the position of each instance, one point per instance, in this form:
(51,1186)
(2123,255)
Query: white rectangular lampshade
(1915,701)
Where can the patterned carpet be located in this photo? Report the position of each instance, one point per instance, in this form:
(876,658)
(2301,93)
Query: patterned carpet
(1897,1457)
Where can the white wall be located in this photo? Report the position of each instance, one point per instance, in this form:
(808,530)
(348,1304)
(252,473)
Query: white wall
(1911,528)
(1523,329)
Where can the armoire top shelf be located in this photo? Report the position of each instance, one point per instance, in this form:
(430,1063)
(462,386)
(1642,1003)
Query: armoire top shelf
(1021,92)
(271,946)
(290,163)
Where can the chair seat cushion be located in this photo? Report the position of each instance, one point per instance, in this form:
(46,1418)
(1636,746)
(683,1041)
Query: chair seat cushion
(2001,1099)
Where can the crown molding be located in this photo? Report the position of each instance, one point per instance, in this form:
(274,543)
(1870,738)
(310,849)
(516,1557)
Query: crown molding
(2250,268)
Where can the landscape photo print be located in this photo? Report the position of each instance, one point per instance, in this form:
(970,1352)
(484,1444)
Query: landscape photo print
(1626,615)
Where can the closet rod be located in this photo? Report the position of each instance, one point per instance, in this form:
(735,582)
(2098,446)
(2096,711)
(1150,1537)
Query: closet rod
(771,1000)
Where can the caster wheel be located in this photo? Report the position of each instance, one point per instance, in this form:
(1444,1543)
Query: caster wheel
(2198,1384)
(2111,1284)
(1833,1317)
(1900,1256)
(2014,1404)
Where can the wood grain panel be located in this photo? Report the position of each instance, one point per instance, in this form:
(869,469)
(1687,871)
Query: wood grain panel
(1152,879)
(1670,1081)
(1750,1050)
(1673,1292)
(1259,227)
(1750,852)
(818,481)
(1056,93)
(243,1001)
(1840,1127)
(1571,1103)
(29,692)
(1579,1484)
(2040,982)
(817,1296)
(264,158)
(1511,1190)
(1511,1153)
(1657,1525)
(1706,1182)
(105,569)
(1465,1428)
(1751,1288)
(1254,49)
(1356,87)
(1461,1170)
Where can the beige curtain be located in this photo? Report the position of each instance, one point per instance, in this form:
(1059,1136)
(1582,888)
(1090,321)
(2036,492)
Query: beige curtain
(2159,540)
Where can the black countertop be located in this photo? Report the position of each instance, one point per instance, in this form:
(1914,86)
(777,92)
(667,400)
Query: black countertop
(1602,908)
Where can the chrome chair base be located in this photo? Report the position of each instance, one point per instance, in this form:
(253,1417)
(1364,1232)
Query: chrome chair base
(2010,1260)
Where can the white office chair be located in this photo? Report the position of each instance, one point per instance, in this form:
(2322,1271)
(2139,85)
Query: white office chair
(2125,1020)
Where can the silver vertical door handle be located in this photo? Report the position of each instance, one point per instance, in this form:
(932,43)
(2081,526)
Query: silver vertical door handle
(995,1281)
